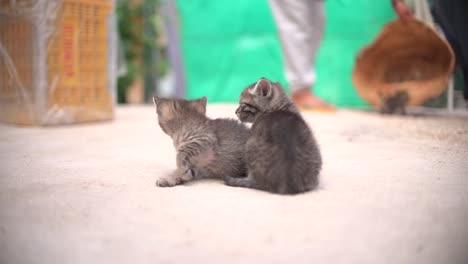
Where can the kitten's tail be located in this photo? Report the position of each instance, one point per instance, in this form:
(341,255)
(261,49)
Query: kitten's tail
(246,182)
(249,182)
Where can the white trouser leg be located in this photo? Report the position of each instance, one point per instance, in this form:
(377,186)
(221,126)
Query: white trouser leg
(300,26)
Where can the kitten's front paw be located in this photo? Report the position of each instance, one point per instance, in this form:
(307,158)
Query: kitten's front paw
(168,181)
(177,177)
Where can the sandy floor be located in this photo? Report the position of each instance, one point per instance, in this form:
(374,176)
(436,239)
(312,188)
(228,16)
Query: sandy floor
(393,190)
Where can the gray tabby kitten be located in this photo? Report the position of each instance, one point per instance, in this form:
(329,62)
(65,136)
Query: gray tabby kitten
(206,148)
(281,153)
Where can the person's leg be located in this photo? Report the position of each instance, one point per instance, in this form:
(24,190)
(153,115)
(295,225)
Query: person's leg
(464,68)
(461,36)
(300,27)
(460,61)
(451,16)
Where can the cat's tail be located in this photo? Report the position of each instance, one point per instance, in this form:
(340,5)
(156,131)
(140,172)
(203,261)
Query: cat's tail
(249,182)
(246,182)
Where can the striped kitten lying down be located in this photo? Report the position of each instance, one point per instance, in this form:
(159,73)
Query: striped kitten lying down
(206,148)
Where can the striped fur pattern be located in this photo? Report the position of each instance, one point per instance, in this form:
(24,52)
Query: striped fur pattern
(206,148)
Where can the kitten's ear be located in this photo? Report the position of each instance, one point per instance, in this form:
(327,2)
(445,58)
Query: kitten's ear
(159,102)
(155,100)
(200,104)
(262,88)
(164,107)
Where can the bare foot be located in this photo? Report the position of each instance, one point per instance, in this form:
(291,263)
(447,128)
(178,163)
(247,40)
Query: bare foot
(305,99)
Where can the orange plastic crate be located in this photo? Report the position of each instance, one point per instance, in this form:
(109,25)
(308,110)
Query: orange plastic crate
(54,66)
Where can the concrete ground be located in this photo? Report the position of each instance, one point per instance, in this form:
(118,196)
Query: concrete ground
(393,190)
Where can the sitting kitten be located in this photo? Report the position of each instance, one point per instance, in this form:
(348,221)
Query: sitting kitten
(206,148)
(281,153)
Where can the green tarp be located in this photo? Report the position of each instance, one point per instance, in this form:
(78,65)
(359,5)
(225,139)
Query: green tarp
(227,45)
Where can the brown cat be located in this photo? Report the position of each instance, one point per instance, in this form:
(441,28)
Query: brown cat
(206,148)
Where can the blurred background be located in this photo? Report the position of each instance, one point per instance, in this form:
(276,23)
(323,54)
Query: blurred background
(59,57)
(219,47)
(216,48)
